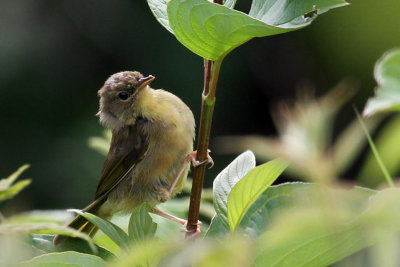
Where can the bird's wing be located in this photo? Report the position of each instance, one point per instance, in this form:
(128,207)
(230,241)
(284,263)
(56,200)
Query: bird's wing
(128,147)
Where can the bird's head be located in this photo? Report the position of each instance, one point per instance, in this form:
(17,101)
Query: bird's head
(118,96)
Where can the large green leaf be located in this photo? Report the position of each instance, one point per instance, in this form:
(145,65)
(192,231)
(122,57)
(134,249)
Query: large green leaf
(141,226)
(387,76)
(321,235)
(115,233)
(66,259)
(278,198)
(211,30)
(159,9)
(250,188)
(227,179)
(44,228)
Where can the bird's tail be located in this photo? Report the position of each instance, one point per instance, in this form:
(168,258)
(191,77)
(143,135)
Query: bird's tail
(81,224)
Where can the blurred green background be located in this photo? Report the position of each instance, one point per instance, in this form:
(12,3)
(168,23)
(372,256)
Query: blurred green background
(55,55)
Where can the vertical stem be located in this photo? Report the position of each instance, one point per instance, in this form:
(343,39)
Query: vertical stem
(211,72)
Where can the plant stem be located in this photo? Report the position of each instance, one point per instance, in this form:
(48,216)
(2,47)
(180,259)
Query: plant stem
(378,158)
(211,72)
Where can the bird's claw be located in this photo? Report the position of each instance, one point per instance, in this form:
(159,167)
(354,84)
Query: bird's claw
(193,233)
(197,163)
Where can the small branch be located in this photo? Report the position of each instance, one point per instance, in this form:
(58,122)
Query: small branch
(211,73)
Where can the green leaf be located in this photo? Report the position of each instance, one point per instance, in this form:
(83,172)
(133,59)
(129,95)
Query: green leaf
(141,226)
(6,183)
(44,243)
(249,189)
(291,14)
(159,9)
(212,31)
(387,76)
(227,179)
(7,189)
(68,258)
(217,227)
(115,233)
(311,236)
(229,3)
(44,228)
(13,190)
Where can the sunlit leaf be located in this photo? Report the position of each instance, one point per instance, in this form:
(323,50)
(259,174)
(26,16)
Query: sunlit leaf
(7,187)
(250,188)
(227,179)
(111,230)
(141,226)
(211,30)
(387,76)
(6,183)
(67,259)
(14,190)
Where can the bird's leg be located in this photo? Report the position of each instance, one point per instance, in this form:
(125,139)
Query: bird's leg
(191,157)
(168,216)
(178,220)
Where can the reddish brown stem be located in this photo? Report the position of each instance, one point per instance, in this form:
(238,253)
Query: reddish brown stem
(211,72)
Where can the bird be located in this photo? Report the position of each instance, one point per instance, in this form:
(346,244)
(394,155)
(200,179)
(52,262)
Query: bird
(152,141)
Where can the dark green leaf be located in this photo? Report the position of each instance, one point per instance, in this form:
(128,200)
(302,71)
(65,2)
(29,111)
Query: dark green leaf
(115,233)
(45,244)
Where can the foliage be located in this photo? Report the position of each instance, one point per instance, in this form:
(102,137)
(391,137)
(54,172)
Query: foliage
(7,187)
(254,223)
(212,31)
(387,75)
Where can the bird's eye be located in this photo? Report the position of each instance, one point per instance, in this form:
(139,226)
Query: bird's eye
(123,95)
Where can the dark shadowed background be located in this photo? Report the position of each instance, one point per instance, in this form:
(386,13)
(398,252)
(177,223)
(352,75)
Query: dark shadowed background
(55,55)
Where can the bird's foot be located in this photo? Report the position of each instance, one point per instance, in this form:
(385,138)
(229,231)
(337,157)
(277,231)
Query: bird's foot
(193,155)
(192,233)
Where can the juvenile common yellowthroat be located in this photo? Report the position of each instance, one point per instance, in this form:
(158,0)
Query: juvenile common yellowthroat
(152,139)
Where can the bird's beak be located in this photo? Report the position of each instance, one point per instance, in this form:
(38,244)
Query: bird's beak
(143,82)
